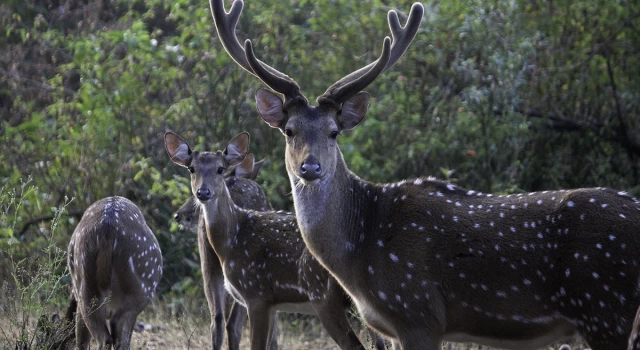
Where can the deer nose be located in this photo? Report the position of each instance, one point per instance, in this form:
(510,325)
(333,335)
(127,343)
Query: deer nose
(203,194)
(176,217)
(310,169)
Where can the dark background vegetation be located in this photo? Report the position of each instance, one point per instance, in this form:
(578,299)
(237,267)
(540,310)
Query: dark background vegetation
(500,96)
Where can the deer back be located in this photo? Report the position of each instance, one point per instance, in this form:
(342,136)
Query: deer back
(114,261)
(538,266)
(113,242)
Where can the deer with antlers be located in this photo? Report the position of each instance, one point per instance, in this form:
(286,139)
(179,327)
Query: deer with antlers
(115,265)
(261,252)
(427,261)
(245,193)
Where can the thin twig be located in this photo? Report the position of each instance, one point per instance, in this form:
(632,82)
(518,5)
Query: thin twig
(39,219)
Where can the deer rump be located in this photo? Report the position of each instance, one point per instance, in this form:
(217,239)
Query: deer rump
(115,265)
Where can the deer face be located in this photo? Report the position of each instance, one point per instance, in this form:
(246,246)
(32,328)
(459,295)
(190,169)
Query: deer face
(311,132)
(207,168)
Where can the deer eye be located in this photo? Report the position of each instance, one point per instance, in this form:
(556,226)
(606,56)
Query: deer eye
(334,134)
(288,132)
(220,170)
(192,169)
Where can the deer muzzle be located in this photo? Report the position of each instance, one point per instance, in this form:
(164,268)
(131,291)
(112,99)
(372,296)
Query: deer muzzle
(204,194)
(310,169)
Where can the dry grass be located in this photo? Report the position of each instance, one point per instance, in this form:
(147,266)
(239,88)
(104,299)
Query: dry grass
(295,333)
(160,330)
(192,332)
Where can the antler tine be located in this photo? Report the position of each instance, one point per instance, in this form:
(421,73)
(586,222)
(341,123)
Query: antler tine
(287,87)
(360,79)
(225,23)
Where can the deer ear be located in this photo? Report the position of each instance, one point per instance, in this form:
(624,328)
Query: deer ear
(237,149)
(245,168)
(256,168)
(353,110)
(270,108)
(178,149)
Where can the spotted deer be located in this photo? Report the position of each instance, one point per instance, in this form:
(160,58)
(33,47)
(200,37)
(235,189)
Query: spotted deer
(246,193)
(115,265)
(262,255)
(427,261)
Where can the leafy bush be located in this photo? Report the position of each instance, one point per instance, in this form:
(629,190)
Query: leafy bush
(502,96)
(35,278)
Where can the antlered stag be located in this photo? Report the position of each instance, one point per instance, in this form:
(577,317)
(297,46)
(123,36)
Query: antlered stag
(427,261)
(262,254)
(115,265)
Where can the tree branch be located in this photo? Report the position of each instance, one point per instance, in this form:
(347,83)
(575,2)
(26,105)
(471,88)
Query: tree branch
(39,219)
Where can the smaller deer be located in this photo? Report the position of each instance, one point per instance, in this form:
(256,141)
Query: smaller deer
(115,265)
(246,193)
(265,263)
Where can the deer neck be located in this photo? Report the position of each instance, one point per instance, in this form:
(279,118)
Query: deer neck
(332,215)
(221,219)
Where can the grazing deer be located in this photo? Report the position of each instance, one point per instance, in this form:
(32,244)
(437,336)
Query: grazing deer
(427,261)
(57,333)
(115,265)
(262,254)
(246,193)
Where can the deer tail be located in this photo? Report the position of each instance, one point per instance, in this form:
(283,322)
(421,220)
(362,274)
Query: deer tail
(104,258)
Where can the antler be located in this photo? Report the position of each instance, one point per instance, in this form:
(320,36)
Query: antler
(226,23)
(360,79)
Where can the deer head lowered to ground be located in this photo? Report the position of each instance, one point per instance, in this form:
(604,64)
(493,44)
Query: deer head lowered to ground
(262,254)
(425,260)
(115,265)
(58,333)
(246,193)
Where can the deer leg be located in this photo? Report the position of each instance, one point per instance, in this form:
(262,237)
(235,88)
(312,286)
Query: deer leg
(260,319)
(235,323)
(417,339)
(93,317)
(273,335)
(332,315)
(122,324)
(213,280)
(83,337)
(377,340)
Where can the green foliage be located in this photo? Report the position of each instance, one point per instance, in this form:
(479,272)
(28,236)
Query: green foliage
(501,96)
(34,276)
